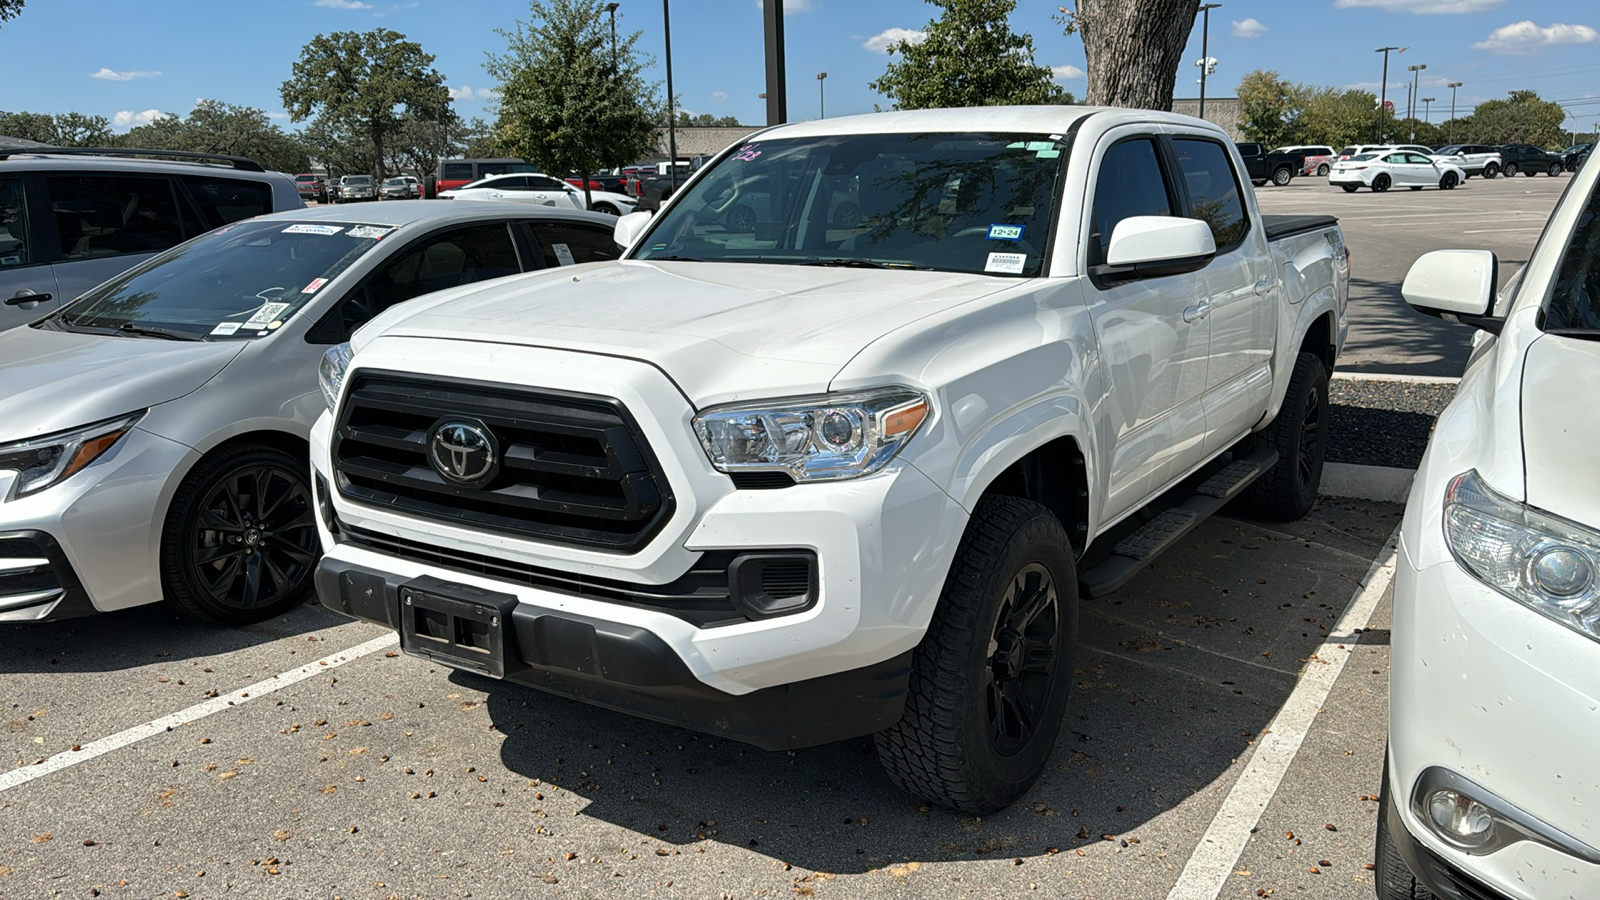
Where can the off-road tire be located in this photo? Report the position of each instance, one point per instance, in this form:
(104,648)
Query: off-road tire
(943,750)
(1300,435)
(181,564)
(1394,880)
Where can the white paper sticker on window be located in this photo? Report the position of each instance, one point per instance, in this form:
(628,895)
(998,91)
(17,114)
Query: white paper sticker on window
(1006,263)
(313,229)
(563,254)
(369,231)
(265,314)
(226,328)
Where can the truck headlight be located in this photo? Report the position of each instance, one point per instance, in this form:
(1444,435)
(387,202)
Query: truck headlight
(1542,561)
(330,373)
(820,438)
(42,461)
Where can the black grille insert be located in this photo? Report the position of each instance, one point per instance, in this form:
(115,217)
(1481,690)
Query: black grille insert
(573,469)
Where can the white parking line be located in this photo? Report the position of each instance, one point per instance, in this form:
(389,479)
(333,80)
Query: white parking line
(1219,849)
(86,752)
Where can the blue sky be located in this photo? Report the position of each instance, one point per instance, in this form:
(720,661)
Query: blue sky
(123,59)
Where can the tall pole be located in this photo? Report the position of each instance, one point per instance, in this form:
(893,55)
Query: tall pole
(1411,99)
(777,84)
(672,112)
(1452,86)
(1427,110)
(612,9)
(1383,90)
(1205,51)
(822,97)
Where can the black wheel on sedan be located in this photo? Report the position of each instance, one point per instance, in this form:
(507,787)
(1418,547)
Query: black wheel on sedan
(1381,183)
(1448,182)
(989,681)
(240,540)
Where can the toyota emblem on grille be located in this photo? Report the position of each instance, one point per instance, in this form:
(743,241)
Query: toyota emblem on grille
(462,451)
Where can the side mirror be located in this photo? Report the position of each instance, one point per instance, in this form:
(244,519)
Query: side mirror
(1152,246)
(1455,285)
(629,227)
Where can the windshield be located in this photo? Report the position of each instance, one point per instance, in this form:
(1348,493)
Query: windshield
(393,182)
(241,281)
(977,203)
(358,179)
(1575,301)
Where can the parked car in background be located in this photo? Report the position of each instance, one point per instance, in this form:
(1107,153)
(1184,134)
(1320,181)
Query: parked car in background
(1278,168)
(1574,156)
(1315,159)
(454,173)
(356,188)
(1474,159)
(1495,643)
(71,218)
(312,187)
(1529,160)
(1353,150)
(1395,168)
(540,189)
(152,433)
(401,187)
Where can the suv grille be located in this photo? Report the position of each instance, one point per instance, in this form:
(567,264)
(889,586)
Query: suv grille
(572,469)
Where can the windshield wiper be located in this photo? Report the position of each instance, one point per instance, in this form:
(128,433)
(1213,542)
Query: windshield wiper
(856,263)
(157,331)
(675,259)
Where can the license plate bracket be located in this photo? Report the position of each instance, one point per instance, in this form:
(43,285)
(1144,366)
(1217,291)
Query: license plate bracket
(458,625)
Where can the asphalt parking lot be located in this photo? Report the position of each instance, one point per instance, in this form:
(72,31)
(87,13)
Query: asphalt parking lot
(1226,738)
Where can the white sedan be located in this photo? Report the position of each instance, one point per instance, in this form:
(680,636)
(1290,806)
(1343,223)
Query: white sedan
(531,187)
(1395,168)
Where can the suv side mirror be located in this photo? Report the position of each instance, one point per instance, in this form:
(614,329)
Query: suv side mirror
(1153,246)
(629,227)
(1455,285)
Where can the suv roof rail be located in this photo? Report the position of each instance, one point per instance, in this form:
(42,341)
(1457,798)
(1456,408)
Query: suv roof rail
(238,162)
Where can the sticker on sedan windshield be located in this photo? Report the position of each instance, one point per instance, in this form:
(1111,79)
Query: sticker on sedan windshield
(226,328)
(371,232)
(563,254)
(265,314)
(1005,232)
(1006,263)
(313,229)
(312,288)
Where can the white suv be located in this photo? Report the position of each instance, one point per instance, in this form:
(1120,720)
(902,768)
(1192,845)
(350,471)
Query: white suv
(1490,788)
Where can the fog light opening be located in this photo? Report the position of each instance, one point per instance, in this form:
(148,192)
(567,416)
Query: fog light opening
(1460,819)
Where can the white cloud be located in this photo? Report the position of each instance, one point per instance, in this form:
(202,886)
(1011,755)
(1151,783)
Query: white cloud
(718,96)
(113,75)
(1422,7)
(883,40)
(279,115)
(1249,28)
(343,4)
(127,118)
(1521,38)
(471,93)
(1064,73)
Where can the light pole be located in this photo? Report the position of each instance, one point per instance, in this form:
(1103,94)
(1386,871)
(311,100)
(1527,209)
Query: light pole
(1427,108)
(1383,88)
(672,112)
(822,96)
(1452,86)
(1411,111)
(1205,52)
(611,8)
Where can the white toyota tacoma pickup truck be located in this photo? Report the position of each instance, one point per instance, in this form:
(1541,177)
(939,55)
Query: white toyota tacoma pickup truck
(838,445)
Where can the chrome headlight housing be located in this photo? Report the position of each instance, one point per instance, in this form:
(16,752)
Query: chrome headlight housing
(822,438)
(1544,562)
(42,461)
(330,373)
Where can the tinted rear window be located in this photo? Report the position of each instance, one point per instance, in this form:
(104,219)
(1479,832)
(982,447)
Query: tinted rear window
(453,171)
(225,200)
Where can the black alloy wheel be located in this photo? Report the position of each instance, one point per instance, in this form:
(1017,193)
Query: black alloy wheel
(1299,433)
(240,542)
(1448,182)
(1380,184)
(1490,171)
(1023,656)
(1313,443)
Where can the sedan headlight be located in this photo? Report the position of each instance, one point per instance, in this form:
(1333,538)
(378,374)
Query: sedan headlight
(821,438)
(42,461)
(330,373)
(1544,562)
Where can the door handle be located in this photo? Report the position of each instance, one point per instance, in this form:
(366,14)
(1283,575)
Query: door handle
(1265,284)
(1196,313)
(26,296)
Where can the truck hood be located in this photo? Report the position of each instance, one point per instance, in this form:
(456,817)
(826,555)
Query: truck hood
(56,380)
(722,331)
(1560,433)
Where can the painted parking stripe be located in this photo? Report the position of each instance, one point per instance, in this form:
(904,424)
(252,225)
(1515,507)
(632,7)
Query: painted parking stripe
(66,759)
(1219,849)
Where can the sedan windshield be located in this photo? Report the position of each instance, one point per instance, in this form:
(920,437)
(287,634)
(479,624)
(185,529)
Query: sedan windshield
(977,203)
(241,281)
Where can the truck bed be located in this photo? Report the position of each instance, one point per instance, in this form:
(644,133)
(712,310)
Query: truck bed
(1284,226)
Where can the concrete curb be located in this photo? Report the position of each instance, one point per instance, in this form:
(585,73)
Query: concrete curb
(1390,485)
(1403,379)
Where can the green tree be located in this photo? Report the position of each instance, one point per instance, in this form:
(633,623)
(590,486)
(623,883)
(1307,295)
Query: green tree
(10,9)
(970,57)
(217,127)
(419,143)
(706,120)
(1334,116)
(364,83)
(58,129)
(339,149)
(1268,107)
(564,104)
(1522,118)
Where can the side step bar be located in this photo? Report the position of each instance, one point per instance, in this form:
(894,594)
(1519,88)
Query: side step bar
(1138,549)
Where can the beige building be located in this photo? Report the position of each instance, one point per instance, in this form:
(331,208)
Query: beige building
(1222,111)
(696,141)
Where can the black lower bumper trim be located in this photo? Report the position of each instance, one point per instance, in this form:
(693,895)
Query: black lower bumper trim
(632,670)
(1445,881)
(74,600)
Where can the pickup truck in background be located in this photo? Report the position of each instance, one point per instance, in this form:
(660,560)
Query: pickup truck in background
(1278,168)
(816,479)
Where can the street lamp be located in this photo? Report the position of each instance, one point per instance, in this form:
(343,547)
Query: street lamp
(822,97)
(611,8)
(1411,104)
(1452,86)
(1427,108)
(1205,62)
(672,113)
(1383,88)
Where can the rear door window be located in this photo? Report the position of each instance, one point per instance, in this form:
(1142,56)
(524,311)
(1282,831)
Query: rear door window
(1213,190)
(455,171)
(1130,183)
(109,215)
(15,248)
(225,200)
(568,244)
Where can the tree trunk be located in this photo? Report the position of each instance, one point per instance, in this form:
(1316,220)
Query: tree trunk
(1134,48)
(377,154)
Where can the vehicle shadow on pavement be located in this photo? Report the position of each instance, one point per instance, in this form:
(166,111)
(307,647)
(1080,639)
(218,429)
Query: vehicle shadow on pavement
(1176,676)
(112,641)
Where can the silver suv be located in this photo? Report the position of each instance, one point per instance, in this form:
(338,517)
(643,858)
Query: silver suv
(72,218)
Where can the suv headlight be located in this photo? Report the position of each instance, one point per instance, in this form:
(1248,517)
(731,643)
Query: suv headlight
(330,373)
(821,438)
(42,461)
(1544,562)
